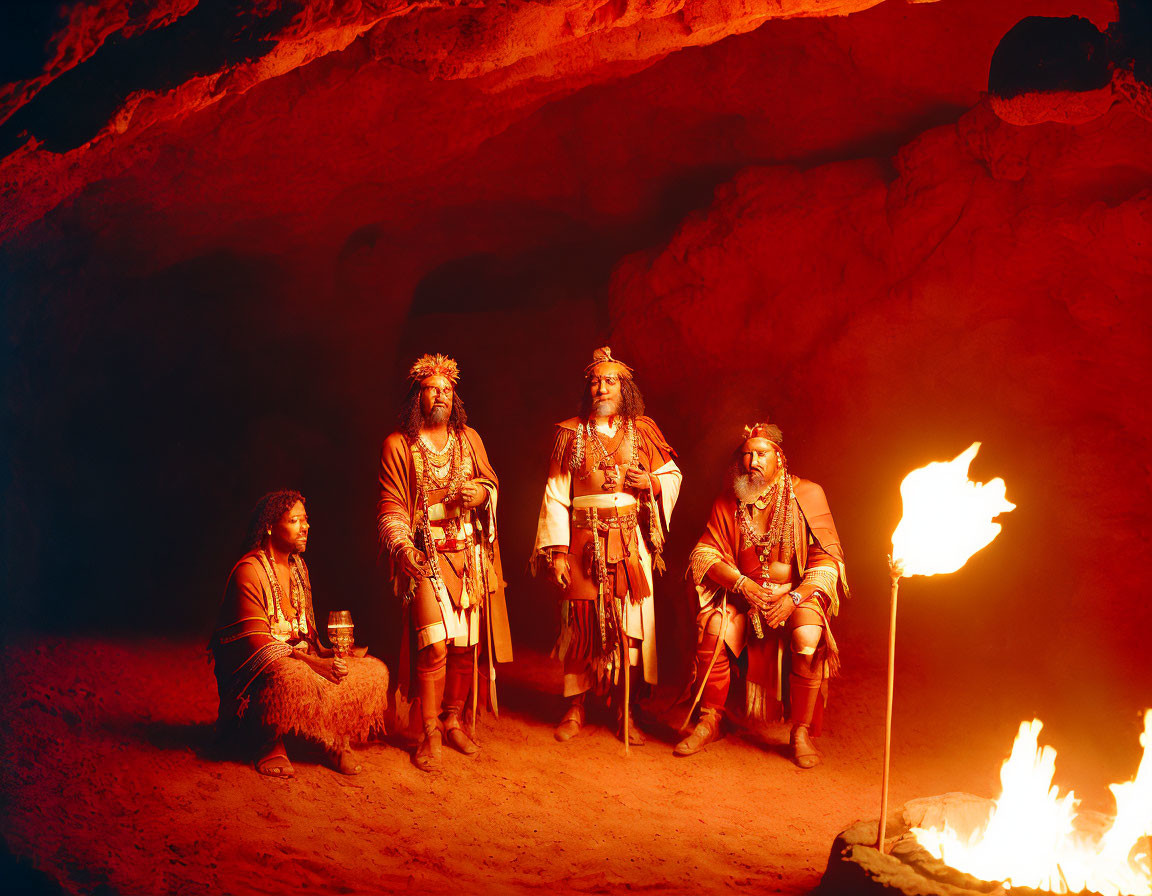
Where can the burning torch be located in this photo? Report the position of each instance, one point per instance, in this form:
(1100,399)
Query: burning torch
(947,518)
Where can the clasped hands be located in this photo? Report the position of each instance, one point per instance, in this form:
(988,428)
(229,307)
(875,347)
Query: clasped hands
(773,600)
(471,495)
(634,478)
(334,668)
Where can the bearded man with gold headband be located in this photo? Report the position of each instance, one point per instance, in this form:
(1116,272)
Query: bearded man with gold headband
(612,485)
(436,520)
(769,572)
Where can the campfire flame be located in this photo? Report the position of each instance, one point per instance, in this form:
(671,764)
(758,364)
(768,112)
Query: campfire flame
(947,517)
(1031,840)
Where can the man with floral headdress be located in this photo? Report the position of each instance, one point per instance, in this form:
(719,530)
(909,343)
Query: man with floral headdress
(612,485)
(769,572)
(436,519)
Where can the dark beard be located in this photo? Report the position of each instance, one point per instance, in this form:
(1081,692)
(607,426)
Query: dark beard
(412,419)
(438,416)
(747,486)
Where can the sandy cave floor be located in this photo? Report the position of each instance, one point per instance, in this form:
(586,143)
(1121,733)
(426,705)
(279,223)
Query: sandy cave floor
(111,784)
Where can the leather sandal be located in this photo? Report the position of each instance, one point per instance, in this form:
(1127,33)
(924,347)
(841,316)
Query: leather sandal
(345,762)
(274,763)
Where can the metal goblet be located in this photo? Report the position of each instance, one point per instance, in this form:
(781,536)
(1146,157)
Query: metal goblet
(341,632)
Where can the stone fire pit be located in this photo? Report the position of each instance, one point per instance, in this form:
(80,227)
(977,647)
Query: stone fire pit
(855,866)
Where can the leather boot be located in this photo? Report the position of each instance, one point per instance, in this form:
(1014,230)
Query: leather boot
(804,693)
(803,752)
(707,730)
(428,754)
(573,720)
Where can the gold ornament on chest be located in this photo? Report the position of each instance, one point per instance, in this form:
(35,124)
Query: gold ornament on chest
(590,445)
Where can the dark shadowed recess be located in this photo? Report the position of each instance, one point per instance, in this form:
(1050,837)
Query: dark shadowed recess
(1047,54)
(1133,36)
(1044,54)
(140,403)
(73,108)
(25,30)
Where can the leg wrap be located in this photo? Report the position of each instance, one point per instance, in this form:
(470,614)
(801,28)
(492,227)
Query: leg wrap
(635,685)
(430,664)
(716,689)
(803,692)
(459,678)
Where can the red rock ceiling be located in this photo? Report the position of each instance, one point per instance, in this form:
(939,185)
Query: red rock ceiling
(821,218)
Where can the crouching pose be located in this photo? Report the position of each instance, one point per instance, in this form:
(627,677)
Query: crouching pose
(436,520)
(273,674)
(769,572)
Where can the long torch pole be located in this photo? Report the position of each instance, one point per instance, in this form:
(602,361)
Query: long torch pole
(888,711)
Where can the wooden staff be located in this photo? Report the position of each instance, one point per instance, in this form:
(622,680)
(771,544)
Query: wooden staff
(489,636)
(723,611)
(475,685)
(895,572)
(625,670)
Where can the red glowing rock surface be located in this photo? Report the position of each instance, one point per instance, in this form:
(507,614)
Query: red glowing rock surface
(823,219)
(992,286)
(504,45)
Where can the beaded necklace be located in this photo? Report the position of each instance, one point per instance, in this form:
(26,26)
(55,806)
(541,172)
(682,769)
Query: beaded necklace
(586,434)
(443,455)
(780,522)
(299,622)
(455,481)
(434,468)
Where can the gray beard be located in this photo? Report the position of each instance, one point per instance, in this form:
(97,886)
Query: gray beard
(605,408)
(749,486)
(438,416)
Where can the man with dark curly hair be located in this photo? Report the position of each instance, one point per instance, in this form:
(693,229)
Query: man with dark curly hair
(612,485)
(273,675)
(436,521)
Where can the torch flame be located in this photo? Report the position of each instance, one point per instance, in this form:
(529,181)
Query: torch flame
(1031,841)
(947,517)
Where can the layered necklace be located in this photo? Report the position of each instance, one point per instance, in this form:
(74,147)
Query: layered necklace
(298,622)
(587,435)
(780,521)
(444,467)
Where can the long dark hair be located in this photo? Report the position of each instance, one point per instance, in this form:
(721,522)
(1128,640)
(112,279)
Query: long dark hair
(411,417)
(267,512)
(631,401)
